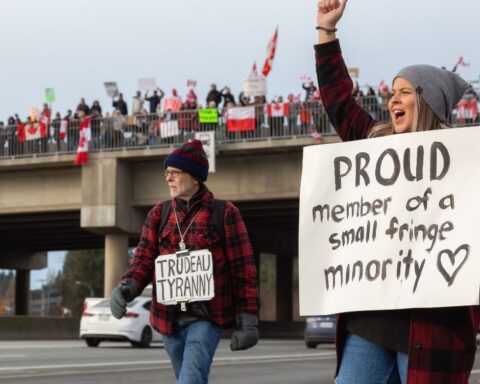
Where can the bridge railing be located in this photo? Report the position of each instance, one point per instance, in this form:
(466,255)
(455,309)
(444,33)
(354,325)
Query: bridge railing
(119,132)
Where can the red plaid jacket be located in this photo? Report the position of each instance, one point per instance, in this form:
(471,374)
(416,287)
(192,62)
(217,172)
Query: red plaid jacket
(233,262)
(442,341)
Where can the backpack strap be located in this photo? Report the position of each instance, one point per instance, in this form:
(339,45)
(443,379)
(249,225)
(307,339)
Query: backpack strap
(167,204)
(218,216)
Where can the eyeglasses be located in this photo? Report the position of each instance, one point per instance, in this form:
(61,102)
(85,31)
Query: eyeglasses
(174,174)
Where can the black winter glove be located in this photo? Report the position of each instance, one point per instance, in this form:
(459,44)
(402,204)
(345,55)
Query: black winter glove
(245,334)
(120,296)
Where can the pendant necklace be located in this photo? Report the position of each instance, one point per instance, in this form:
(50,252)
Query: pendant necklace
(181,244)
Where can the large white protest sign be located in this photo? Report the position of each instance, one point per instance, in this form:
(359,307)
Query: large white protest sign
(184,278)
(390,223)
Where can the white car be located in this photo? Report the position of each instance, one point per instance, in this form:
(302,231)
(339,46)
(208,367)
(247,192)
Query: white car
(98,324)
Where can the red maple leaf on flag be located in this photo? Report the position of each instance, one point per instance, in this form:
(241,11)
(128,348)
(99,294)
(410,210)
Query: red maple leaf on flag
(32,129)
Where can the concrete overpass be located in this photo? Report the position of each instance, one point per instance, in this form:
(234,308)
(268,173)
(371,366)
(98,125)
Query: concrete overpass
(47,203)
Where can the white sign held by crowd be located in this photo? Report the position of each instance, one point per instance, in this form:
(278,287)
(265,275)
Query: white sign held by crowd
(255,86)
(112,88)
(208,141)
(169,128)
(149,84)
(390,223)
(184,278)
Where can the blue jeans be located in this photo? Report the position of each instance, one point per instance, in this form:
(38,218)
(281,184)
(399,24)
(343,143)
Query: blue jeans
(364,362)
(191,348)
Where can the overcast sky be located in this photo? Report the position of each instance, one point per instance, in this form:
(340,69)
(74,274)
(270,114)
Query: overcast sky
(75,47)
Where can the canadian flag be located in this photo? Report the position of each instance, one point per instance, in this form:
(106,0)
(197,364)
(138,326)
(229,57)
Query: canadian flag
(31,131)
(317,136)
(241,119)
(462,62)
(45,119)
(172,105)
(82,150)
(382,87)
(272,47)
(278,110)
(63,129)
(86,125)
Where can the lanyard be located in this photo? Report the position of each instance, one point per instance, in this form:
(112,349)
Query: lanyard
(182,236)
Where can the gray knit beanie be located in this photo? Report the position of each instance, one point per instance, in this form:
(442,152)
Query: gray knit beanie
(441,89)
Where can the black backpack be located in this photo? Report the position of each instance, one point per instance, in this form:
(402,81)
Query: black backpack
(218,214)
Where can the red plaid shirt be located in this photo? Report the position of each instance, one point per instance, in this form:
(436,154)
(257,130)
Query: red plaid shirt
(235,274)
(442,341)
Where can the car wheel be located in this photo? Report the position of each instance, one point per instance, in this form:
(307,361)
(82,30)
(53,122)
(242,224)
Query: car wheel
(145,338)
(311,344)
(92,342)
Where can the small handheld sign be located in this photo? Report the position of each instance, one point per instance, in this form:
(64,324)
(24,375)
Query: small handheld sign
(184,277)
(49,95)
(255,86)
(112,88)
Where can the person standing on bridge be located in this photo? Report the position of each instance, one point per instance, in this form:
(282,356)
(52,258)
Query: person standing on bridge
(423,345)
(191,331)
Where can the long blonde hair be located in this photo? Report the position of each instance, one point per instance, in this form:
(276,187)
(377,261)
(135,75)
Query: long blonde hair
(423,120)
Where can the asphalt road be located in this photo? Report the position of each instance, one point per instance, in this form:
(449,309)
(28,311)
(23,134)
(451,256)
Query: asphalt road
(72,362)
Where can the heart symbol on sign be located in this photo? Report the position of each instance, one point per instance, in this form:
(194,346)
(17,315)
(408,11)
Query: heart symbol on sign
(455,265)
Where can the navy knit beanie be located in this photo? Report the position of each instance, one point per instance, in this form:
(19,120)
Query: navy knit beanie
(191,158)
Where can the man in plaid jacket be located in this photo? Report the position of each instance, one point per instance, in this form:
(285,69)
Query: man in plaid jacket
(191,333)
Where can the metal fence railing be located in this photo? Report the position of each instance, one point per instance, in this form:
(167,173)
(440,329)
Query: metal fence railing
(119,132)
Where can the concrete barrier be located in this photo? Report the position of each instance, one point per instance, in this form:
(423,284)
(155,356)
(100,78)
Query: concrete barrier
(38,328)
(58,328)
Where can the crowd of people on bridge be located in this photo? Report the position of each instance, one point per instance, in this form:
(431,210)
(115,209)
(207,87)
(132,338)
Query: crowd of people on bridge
(158,119)
(154,118)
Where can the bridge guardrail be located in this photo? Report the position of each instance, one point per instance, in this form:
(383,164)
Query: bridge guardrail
(119,132)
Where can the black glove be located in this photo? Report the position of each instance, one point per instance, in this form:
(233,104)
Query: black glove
(121,295)
(245,334)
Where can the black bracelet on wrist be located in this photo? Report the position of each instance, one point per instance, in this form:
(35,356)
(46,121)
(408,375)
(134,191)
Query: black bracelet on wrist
(326,30)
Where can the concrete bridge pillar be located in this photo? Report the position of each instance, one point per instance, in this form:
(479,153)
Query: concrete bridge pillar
(22,262)
(22,291)
(107,187)
(116,260)
(285,287)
